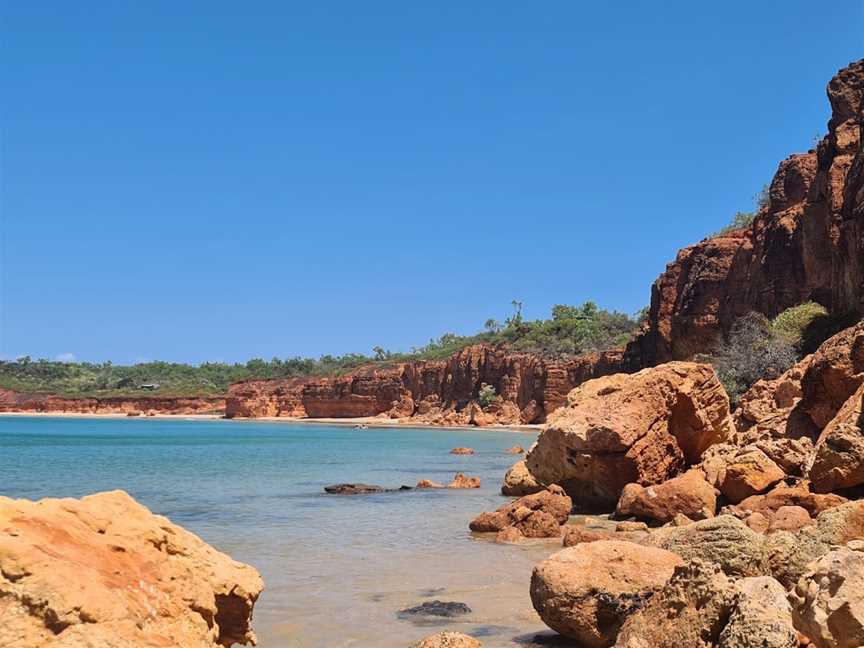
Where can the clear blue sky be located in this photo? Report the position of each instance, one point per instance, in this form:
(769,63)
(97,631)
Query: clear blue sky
(221,180)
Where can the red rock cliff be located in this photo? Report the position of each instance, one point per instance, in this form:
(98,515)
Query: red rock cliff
(806,244)
(441,391)
(12,401)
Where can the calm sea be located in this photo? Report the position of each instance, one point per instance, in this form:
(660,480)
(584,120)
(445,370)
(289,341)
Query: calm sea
(337,569)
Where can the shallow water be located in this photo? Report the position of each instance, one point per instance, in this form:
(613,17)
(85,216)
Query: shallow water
(337,569)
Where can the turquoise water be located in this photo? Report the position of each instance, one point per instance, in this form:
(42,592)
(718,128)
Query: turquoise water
(337,568)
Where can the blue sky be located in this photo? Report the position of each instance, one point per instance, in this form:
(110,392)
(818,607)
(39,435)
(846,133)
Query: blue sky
(220,180)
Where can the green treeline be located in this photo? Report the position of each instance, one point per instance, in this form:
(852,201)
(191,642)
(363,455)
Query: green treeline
(569,331)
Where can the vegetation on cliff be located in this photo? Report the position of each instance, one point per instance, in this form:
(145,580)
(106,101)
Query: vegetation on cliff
(758,348)
(570,331)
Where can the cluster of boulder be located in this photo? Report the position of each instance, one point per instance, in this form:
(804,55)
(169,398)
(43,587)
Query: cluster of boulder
(733,529)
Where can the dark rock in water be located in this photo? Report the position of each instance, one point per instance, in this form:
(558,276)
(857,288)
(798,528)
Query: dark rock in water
(353,489)
(361,489)
(436,608)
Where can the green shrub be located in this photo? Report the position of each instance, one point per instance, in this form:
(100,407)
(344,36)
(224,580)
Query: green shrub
(753,351)
(739,221)
(793,323)
(570,331)
(486,396)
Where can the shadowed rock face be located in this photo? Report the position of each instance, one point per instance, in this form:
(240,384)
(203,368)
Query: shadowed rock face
(105,571)
(806,244)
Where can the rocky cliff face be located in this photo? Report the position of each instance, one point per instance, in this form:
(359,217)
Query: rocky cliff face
(12,401)
(441,391)
(806,244)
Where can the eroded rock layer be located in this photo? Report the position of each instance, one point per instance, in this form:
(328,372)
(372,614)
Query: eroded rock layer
(12,401)
(435,391)
(806,243)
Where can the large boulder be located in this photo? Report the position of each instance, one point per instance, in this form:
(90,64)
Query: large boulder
(724,540)
(768,408)
(518,481)
(835,372)
(535,516)
(788,554)
(839,461)
(105,571)
(828,600)
(640,428)
(690,610)
(688,495)
(798,495)
(701,607)
(761,617)
(587,591)
(749,473)
(789,518)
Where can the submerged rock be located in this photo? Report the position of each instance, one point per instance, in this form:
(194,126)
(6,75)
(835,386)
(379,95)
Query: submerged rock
(462,451)
(361,489)
(436,608)
(463,481)
(105,571)
(428,484)
(535,516)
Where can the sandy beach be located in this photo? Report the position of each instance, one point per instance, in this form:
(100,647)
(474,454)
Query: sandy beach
(369,422)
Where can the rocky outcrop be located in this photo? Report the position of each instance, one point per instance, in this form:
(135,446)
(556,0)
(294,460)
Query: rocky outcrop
(266,398)
(518,481)
(839,461)
(462,451)
(798,495)
(534,516)
(105,571)
(834,373)
(749,472)
(723,540)
(642,428)
(689,611)
(432,391)
(828,600)
(700,607)
(12,401)
(789,554)
(586,592)
(688,495)
(805,244)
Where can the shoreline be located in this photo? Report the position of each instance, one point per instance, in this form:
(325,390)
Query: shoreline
(370,422)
